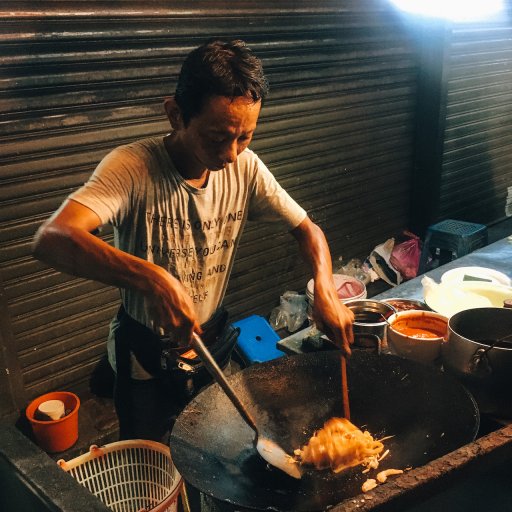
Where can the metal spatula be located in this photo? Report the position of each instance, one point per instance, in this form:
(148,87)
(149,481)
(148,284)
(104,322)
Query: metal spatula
(268,449)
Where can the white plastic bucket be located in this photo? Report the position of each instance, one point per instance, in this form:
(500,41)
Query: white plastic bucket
(348,288)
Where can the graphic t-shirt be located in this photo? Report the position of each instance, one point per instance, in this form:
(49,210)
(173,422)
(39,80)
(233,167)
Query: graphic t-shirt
(192,233)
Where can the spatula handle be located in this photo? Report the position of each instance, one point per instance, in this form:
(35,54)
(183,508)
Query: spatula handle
(216,372)
(344,388)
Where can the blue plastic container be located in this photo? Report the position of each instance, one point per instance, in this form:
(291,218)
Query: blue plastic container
(257,341)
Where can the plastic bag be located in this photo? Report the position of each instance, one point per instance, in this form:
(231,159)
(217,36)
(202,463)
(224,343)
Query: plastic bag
(380,261)
(355,268)
(405,257)
(291,313)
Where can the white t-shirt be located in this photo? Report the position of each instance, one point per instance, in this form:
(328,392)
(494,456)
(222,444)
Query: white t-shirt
(191,232)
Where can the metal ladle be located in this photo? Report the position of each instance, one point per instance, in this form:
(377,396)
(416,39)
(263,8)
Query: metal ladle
(268,449)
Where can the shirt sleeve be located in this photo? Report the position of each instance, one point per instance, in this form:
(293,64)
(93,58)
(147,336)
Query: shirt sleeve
(109,191)
(269,201)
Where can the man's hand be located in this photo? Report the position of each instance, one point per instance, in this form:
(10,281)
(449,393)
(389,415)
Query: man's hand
(171,308)
(331,316)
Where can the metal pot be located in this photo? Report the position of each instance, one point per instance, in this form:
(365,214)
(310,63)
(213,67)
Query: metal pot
(485,369)
(370,325)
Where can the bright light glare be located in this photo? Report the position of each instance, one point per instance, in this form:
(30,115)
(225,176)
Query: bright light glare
(454,10)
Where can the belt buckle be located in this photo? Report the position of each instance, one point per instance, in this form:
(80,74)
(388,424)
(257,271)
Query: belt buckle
(181,361)
(182,365)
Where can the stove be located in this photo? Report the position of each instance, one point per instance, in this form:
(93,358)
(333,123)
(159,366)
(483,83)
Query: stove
(456,481)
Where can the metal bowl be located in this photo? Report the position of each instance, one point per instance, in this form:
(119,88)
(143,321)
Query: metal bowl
(401,304)
(370,323)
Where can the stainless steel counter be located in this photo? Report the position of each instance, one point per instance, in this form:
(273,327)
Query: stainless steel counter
(497,256)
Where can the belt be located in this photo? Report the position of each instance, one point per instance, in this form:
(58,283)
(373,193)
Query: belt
(159,354)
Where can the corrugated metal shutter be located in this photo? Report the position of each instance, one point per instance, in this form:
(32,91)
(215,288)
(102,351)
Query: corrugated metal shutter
(81,78)
(477,158)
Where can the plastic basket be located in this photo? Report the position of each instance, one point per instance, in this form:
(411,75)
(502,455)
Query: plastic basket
(128,476)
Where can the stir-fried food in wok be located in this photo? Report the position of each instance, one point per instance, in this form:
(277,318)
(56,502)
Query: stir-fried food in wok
(340,445)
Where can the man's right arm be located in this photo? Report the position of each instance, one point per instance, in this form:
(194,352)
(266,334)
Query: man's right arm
(66,243)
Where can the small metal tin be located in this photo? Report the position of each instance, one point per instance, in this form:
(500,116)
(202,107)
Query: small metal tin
(370,325)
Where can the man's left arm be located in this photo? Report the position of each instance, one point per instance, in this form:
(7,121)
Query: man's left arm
(331,316)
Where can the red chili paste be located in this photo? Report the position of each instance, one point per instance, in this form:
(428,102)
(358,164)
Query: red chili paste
(416,332)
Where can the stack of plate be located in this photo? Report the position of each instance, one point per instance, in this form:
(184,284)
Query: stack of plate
(468,288)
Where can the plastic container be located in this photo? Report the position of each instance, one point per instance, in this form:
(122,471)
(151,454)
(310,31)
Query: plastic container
(55,435)
(52,410)
(348,288)
(257,341)
(132,475)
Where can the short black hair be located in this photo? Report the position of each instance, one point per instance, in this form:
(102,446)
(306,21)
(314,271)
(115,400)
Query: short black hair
(219,68)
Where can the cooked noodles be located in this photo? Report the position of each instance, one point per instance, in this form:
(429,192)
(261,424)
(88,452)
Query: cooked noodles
(340,445)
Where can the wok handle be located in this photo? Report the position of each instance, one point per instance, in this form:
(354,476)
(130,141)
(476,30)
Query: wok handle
(216,372)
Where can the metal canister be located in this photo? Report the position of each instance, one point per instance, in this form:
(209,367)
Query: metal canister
(370,325)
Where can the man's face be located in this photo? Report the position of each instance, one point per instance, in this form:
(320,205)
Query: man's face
(222,130)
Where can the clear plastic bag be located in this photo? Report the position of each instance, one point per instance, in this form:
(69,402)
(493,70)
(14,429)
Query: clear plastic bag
(291,313)
(355,268)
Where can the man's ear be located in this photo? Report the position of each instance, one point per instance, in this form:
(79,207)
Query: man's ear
(173,113)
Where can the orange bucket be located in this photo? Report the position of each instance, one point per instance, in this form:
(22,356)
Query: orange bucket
(55,435)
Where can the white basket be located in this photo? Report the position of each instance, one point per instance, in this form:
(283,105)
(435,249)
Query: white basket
(129,476)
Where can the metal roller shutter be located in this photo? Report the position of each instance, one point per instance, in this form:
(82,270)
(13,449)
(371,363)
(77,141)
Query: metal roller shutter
(477,157)
(80,78)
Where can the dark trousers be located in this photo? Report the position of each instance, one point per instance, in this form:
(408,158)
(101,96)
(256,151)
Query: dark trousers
(147,409)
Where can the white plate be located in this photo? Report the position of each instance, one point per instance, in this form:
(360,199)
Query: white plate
(450,298)
(479,274)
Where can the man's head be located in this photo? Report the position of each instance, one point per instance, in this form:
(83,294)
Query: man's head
(218,68)
(216,107)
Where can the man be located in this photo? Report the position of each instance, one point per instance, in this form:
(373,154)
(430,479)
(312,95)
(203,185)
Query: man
(178,205)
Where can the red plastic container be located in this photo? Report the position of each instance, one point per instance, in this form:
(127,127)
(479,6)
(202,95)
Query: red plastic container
(55,435)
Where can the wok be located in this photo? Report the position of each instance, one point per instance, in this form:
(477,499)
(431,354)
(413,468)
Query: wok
(428,412)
